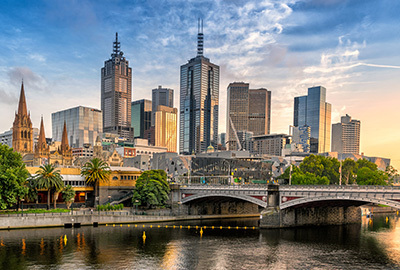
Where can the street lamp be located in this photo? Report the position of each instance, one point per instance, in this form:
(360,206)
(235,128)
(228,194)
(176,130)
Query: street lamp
(136,205)
(22,207)
(109,199)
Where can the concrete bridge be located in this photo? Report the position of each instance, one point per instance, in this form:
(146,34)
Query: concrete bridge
(285,206)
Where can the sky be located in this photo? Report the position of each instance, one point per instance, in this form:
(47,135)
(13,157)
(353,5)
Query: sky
(286,46)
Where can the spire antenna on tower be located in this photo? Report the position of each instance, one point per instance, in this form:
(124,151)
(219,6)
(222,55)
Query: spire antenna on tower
(200,38)
(116,45)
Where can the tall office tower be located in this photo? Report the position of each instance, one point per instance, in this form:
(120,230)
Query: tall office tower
(259,111)
(22,137)
(199,96)
(165,128)
(141,117)
(346,136)
(222,139)
(237,112)
(116,94)
(83,125)
(313,111)
(161,96)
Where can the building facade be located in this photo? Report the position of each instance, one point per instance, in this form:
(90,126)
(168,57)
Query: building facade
(141,117)
(116,94)
(84,124)
(346,136)
(237,112)
(199,97)
(165,128)
(161,96)
(271,144)
(259,111)
(313,111)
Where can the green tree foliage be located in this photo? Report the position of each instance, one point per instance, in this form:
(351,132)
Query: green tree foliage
(49,178)
(96,171)
(308,179)
(13,175)
(151,189)
(366,176)
(321,166)
(362,162)
(392,173)
(68,195)
(349,171)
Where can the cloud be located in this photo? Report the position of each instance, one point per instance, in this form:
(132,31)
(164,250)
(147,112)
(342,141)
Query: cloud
(37,57)
(7,98)
(31,79)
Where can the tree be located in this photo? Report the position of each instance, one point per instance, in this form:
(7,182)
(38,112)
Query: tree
(49,178)
(362,162)
(307,178)
(349,170)
(322,166)
(68,195)
(96,171)
(13,175)
(392,173)
(366,176)
(151,189)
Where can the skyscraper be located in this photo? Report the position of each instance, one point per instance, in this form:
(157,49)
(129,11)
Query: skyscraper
(237,112)
(199,96)
(259,111)
(141,117)
(248,110)
(161,96)
(116,94)
(313,111)
(166,121)
(83,124)
(346,136)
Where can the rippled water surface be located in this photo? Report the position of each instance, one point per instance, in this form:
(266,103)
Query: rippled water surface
(369,245)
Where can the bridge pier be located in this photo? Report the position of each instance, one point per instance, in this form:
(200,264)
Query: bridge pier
(273,217)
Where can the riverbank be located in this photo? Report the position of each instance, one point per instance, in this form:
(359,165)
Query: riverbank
(96,219)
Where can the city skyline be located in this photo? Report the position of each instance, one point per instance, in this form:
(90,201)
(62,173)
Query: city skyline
(286,47)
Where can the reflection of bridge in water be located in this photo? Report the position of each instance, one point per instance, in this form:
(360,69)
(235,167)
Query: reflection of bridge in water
(283,204)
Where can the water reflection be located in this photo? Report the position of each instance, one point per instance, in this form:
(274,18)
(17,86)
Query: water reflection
(372,245)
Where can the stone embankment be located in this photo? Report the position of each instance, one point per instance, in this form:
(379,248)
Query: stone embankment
(95,219)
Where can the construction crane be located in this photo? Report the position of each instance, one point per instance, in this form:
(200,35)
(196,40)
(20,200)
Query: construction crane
(236,136)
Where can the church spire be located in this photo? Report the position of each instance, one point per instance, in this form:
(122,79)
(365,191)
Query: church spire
(42,136)
(64,139)
(22,111)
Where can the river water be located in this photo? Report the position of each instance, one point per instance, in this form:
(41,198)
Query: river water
(372,244)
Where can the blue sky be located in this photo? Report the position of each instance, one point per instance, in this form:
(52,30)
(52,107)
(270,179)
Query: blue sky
(350,47)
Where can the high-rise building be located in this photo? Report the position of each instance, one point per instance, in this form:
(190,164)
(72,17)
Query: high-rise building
(237,112)
(22,137)
(165,128)
(141,117)
(83,124)
(199,97)
(248,110)
(259,111)
(313,111)
(116,94)
(271,144)
(346,136)
(301,138)
(161,96)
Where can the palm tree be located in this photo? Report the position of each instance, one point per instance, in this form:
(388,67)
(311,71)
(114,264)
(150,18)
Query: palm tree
(49,178)
(96,171)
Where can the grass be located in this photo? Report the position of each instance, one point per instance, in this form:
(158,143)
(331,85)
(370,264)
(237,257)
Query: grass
(33,211)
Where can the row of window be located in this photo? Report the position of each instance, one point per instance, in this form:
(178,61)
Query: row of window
(126,177)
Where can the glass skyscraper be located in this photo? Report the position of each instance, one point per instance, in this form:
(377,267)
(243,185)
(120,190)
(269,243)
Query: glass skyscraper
(83,125)
(116,94)
(199,96)
(141,117)
(313,111)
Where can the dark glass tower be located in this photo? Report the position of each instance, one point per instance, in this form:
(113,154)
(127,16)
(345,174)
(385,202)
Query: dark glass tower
(116,94)
(199,96)
(313,111)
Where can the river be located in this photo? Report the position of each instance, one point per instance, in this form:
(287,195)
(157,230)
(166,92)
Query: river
(372,244)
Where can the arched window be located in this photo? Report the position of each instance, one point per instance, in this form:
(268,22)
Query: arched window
(26,135)
(22,134)
(26,146)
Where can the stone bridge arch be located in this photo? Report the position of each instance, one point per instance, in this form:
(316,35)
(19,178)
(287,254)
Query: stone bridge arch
(310,200)
(235,196)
